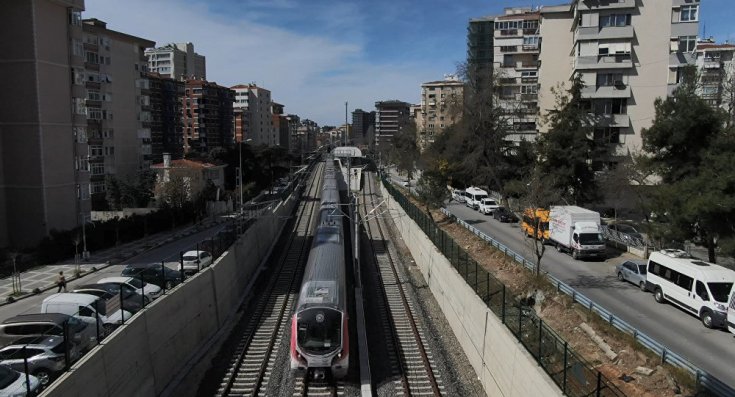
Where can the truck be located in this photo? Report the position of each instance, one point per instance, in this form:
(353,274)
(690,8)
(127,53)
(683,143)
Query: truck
(576,230)
(89,308)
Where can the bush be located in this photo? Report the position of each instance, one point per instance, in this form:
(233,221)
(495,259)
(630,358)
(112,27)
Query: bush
(36,291)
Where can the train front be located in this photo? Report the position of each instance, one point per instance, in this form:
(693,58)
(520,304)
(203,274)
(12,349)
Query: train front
(320,336)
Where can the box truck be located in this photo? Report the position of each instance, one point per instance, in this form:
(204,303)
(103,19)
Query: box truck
(576,230)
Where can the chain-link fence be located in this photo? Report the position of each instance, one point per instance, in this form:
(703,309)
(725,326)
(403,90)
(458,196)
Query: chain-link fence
(574,376)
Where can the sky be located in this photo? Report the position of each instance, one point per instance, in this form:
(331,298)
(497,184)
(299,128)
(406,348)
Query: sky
(315,55)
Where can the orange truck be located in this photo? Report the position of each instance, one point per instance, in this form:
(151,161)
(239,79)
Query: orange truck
(533,217)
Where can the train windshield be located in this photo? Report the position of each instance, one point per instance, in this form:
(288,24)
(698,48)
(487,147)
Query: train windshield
(319,330)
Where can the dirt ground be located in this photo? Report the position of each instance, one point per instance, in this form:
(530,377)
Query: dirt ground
(557,310)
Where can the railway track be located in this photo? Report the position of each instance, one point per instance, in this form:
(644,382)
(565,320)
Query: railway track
(306,385)
(409,353)
(253,359)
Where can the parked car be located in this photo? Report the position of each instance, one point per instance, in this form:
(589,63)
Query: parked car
(488,206)
(632,272)
(45,356)
(196,260)
(47,324)
(150,291)
(153,273)
(458,195)
(13,383)
(627,233)
(131,301)
(505,215)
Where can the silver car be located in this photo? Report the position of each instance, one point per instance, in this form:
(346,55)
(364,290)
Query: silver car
(13,383)
(632,272)
(46,356)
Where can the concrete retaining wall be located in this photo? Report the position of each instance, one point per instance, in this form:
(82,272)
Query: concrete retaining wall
(146,356)
(501,363)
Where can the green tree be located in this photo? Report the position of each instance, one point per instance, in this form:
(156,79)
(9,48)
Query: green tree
(405,150)
(690,151)
(432,190)
(567,150)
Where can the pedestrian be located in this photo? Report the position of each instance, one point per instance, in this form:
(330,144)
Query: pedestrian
(61,282)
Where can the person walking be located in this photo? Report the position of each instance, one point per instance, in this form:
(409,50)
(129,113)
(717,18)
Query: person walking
(61,282)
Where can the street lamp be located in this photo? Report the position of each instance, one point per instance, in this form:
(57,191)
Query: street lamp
(239,175)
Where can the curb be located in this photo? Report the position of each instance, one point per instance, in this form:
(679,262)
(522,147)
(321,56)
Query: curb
(190,230)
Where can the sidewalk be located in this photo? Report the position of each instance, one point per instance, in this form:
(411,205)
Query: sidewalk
(44,277)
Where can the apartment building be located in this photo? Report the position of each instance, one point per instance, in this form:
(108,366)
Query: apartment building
(717,74)
(390,117)
(207,116)
(627,54)
(166,124)
(480,47)
(40,188)
(257,107)
(177,60)
(280,126)
(441,106)
(362,121)
(116,84)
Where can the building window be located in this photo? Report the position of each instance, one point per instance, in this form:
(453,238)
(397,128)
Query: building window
(609,79)
(95,150)
(687,43)
(83,192)
(92,57)
(78,106)
(81,134)
(607,135)
(94,114)
(529,89)
(614,20)
(77,76)
(97,187)
(610,107)
(94,95)
(97,169)
(530,41)
(77,47)
(75,17)
(688,13)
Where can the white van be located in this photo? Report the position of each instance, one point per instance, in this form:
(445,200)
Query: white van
(88,308)
(699,288)
(473,197)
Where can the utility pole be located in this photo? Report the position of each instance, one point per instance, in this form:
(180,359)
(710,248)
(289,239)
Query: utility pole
(346,125)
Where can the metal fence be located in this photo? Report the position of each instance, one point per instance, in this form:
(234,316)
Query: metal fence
(574,376)
(704,381)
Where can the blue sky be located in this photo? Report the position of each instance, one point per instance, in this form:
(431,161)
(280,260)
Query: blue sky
(316,54)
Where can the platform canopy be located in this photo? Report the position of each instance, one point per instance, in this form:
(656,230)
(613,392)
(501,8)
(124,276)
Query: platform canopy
(347,151)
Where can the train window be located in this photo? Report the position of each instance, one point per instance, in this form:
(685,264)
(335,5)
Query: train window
(319,330)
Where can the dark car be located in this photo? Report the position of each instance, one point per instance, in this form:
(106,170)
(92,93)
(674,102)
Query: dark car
(152,273)
(626,233)
(503,214)
(131,301)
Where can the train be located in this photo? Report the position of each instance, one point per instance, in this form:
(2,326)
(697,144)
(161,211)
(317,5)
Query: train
(319,327)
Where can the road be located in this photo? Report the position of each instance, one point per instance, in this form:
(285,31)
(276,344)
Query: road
(711,350)
(169,253)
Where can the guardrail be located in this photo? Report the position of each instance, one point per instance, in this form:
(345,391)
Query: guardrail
(703,379)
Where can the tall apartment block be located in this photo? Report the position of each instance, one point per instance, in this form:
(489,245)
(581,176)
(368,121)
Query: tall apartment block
(177,60)
(39,185)
(716,73)
(362,122)
(257,107)
(481,47)
(207,120)
(116,85)
(280,126)
(627,53)
(390,117)
(166,123)
(441,106)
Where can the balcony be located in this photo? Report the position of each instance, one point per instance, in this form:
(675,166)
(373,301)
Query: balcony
(604,33)
(614,61)
(616,91)
(712,64)
(611,120)
(605,5)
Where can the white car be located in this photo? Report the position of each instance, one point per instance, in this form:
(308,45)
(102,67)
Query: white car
(488,206)
(458,195)
(151,291)
(195,261)
(13,383)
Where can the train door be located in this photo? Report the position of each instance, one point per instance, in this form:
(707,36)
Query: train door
(731,312)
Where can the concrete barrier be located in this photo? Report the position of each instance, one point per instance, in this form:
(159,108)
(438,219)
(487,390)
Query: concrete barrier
(501,363)
(147,355)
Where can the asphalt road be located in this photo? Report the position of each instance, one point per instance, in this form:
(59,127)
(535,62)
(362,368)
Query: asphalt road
(169,253)
(710,350)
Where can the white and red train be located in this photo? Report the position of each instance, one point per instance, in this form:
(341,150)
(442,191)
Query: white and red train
(319,330)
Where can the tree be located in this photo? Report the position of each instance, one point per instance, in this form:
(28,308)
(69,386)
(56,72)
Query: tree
(690,150)
(538,197)
(405,151)
(567,150)
(432,190)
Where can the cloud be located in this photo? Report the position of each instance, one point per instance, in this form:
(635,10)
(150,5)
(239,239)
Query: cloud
(311,74)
